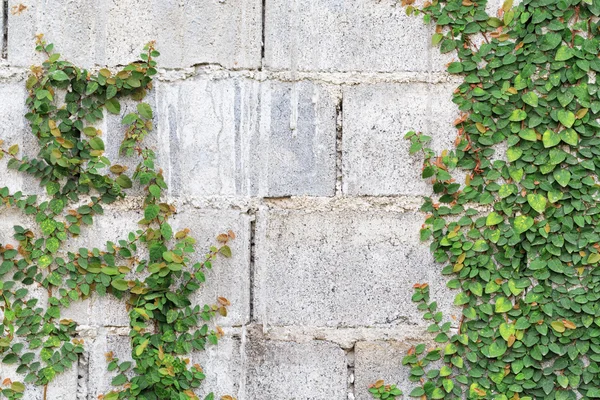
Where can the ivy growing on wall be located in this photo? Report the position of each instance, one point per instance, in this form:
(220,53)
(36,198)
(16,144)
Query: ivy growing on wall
(153,269)
(521,237)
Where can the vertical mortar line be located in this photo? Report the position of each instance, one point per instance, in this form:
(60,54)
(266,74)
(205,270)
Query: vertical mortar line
(350,357)
(263,33)
(252,214)
(338,144)
(5,32)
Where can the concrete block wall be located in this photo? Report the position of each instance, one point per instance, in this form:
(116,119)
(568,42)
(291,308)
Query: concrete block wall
(281,120)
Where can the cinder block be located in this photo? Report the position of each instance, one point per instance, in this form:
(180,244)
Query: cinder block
(229,277)
(345,268)
(223,366)
(187,32)
(98,377)
(346,35)
(13,130)
(382,360)
(376,117)
(62,387)
(240,137)
(315,370)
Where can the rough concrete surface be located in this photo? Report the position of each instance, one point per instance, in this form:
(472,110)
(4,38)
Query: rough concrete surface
(281,120)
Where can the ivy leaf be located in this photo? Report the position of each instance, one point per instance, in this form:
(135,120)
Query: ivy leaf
(120,284)
(522,223)
(564,53)
(528,134)
(124,181)
(550,138)
(569,136)
(145,110)
(113,106)
(537,202)
(514,153)
(562,176)
(567,118)
(518,115)
(530,98)
(493,219)
(59,76)
(497,349)
(502,305)
(151,211)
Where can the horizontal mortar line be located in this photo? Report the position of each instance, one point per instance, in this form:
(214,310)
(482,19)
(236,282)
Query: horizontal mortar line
(216,71)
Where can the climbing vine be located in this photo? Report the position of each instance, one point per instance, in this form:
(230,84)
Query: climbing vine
(153,269)
(521,237)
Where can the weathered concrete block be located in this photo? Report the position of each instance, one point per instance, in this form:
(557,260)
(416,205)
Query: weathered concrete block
(240,137)
(316,370)
(12,129)
(62,387)
(229,277)
(346,35)
(223,366)
(382,360)
(344,268)
(114,33)
(376,117)
(98,377)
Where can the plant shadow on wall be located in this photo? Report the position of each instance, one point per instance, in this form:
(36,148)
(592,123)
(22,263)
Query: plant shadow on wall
(521,237)
(153,269)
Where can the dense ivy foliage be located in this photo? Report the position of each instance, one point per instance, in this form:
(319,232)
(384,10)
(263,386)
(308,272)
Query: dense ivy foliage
(152,269)
(527,268)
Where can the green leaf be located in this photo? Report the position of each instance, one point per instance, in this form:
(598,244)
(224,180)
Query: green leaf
(567,118)
(113,106)
(497,349)
(522,223)
(530,98)
(59,76)
(513,154)
(562,176)
(502,305)
(517,115)
(91,88)
(225,251)
(537,202)
(111,91)
(461,299)
(493,219)
(120,284)
(145,110)
(569,136)
(96,143)
(550,138)
(124,181)
(528,134)
(563,53)
(151,211)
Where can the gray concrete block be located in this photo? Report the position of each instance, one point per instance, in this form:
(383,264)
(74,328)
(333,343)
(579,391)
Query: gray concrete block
(13,130)
(113,33)
(382,360)
(98,377)
(346,35)
(240,137)
(62,387)
(376,117)
(223,366)
(344,268)
(315,370)
(229,277)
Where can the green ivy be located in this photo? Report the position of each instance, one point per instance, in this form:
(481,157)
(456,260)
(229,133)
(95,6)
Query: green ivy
(79,180)
(521,237)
